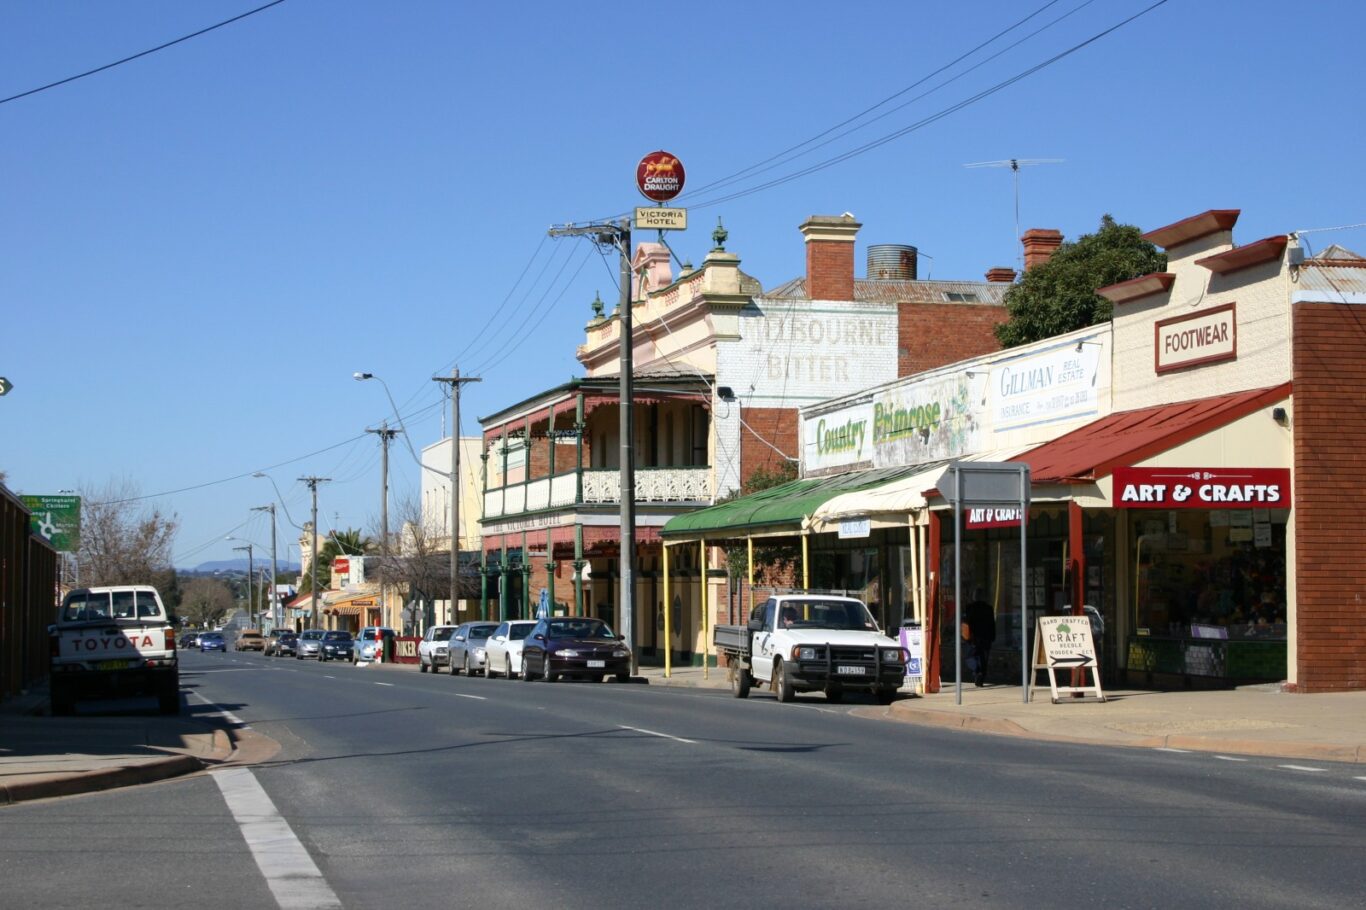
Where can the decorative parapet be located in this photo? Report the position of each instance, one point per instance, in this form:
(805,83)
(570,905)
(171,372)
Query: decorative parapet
(652,485)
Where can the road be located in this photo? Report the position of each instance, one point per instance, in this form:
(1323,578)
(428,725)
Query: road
(439,791)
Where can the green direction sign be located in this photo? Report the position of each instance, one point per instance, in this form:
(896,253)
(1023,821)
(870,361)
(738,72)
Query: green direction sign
(5,386)
(56,519)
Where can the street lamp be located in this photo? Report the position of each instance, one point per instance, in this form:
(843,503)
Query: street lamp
(274,572)
(251,578)
(281,499)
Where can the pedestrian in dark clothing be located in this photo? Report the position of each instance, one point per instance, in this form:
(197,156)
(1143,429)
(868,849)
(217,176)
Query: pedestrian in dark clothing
(980,621)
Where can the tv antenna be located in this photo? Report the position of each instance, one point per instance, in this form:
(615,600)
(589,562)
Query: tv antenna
(1015,164)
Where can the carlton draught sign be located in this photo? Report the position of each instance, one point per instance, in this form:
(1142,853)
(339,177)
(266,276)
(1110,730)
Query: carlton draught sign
(659,176)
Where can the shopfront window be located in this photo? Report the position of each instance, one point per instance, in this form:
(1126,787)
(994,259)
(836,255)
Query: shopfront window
(1211,574)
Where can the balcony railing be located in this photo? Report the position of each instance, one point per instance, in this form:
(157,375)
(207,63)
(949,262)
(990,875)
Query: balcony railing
(600,487)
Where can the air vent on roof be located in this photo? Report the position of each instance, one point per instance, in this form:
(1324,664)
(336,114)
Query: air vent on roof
(961,297)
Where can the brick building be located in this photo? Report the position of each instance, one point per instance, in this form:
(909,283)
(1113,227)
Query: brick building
(1194,465)
(721,369)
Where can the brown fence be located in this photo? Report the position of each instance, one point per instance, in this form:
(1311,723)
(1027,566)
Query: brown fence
(28,592)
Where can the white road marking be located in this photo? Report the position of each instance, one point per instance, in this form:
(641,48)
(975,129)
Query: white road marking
(662,735)
(476,697)
(294,879)
(1300,768)
(329,677)
(384,684)
(1359,778)
(1229,758)
(1169,749)
(222,712)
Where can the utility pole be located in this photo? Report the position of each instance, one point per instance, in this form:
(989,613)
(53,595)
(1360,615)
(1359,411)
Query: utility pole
(251,582)
(275,617)
(455,381)
(313,564)
(385,434)
(618,235)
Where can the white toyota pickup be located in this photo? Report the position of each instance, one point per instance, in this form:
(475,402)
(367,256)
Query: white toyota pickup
(812,642)
(111,642)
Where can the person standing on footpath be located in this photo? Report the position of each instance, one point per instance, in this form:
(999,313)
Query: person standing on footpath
(979,631)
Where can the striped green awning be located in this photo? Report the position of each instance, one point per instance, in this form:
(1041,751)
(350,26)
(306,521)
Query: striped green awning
(776,509)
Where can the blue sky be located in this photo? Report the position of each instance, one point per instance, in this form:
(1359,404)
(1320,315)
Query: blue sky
(201,246)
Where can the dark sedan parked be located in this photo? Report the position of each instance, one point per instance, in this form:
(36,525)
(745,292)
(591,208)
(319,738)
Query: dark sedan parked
(287,644)
(337,645)
(575,646)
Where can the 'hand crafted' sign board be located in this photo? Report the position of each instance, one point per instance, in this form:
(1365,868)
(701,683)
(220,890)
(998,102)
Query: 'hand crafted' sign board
(1065,643)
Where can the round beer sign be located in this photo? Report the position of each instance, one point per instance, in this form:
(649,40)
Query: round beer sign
(659,176)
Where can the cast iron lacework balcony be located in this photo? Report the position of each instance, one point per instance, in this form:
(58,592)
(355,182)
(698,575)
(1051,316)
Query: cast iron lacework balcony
(654,485)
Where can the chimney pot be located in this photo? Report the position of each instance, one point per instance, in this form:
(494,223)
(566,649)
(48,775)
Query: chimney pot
(1000,275)
(830,256)
(1039,245)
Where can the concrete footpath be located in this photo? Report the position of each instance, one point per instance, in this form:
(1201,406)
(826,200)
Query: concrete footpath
(42,756)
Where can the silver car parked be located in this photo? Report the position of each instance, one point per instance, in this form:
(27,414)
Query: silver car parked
(310,644)
(465,650)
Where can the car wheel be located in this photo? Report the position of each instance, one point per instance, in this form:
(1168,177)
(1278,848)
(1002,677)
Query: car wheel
(464,665)
(834,694)
(63,702)
(421,666)
(624,677)
(168,696)
(782,687)
(546,673)
(885,695)
(740,681)
(526,671)
(507,667)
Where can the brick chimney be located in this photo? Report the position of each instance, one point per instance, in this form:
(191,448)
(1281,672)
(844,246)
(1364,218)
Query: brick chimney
(1039,246)
(830,256)
(1000,275)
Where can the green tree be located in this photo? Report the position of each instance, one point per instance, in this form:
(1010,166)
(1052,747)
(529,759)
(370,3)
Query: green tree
(1060,296)
(124,540)
(350,542)
(205,602)
(768,557)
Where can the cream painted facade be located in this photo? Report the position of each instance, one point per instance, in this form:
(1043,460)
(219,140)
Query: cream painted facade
(1260,294)
(436,491)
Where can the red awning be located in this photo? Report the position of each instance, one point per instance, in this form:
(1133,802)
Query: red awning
(1128,437)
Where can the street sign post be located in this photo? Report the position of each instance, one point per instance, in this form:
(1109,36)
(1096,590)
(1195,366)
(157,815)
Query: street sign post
(56,519)
(982,484)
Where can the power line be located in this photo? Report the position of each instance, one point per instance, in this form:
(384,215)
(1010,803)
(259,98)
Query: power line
(546,303)
(933,118)
(153,50)
(780,156)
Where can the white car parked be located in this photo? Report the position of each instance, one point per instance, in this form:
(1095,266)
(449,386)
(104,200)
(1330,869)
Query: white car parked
(503,652)
(431,651)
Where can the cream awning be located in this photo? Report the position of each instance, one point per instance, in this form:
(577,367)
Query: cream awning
(897,497)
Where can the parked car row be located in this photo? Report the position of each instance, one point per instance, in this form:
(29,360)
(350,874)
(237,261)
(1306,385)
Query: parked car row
(548,649)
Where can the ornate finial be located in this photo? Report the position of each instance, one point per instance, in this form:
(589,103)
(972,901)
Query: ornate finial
(719,235)
(597,305)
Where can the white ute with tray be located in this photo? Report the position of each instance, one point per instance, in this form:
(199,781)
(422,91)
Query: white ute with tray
(112,642)
(812,643)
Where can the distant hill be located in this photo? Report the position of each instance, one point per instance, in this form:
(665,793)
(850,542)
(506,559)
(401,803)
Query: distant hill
(239,566)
